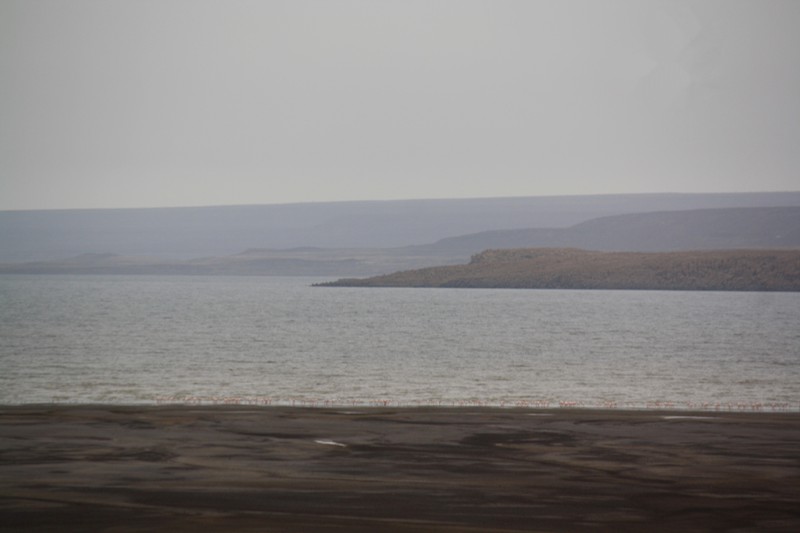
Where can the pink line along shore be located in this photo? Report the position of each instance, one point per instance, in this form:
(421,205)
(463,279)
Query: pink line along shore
(531,404)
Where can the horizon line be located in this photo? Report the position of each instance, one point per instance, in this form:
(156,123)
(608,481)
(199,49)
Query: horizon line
(395,200)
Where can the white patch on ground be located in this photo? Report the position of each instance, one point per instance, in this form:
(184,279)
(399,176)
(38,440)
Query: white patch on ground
(329,442)
(677,417)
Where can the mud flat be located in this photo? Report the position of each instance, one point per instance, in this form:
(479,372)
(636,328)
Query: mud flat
(276,469)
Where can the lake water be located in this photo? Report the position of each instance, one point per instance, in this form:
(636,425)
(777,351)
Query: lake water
(273,340)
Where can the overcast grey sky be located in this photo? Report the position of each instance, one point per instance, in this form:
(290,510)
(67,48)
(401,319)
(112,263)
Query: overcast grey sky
(108,103)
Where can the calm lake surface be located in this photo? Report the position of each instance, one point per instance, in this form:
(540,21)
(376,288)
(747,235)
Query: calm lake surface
(274,340)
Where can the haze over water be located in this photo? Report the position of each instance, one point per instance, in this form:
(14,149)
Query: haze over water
(275,340)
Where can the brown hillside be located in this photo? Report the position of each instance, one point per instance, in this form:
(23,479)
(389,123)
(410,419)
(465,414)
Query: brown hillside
(568,268)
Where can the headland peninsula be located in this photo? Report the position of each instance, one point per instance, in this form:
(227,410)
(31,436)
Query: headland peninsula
(570,268)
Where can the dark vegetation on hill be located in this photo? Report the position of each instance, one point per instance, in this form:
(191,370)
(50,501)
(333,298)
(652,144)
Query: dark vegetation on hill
(565,268)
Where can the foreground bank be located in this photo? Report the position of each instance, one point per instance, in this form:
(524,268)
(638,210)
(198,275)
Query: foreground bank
(237,468)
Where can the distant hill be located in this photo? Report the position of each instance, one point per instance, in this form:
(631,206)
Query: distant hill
(192,232)
(709,229)
(256,262)
(561,268)
(700,229)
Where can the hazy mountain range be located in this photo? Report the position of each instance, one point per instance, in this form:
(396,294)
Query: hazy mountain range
(697,229)
(369,238)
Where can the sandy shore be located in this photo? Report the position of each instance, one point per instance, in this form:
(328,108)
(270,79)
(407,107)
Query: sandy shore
(274,469)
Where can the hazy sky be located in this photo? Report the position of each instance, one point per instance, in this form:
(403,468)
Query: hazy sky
(192,102)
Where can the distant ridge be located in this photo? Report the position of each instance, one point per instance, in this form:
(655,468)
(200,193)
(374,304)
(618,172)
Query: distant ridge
(704,229)
(698,229)
(563,268)
(193,232)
